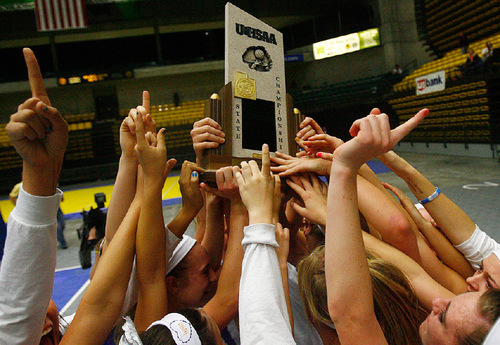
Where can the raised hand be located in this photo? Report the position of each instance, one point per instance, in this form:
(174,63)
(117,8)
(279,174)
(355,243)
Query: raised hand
(227,185)
(153,158)
(257,188)
(288,165)
(190,186)
(309,127)
(38,132)
(149,123)
(372,136)
(128,136)
(322,143)
(206,134)
(127,128)
(283,239)
(313,193)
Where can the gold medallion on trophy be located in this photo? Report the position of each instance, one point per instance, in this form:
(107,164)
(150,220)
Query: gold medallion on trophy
(244,87)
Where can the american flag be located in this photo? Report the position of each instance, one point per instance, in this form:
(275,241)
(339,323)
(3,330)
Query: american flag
(60,14)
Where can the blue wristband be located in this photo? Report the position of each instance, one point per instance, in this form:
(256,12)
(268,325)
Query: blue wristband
(431,197)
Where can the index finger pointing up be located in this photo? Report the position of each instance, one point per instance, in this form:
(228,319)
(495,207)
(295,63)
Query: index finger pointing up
(139,131)
(401,131)
(146,101)
(266,161)
(35,76)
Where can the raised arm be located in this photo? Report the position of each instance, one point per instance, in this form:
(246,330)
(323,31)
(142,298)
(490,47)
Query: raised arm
(262,301)
(349,290)
(425,287)
(213,239)
(126,178)
(206,134)
(192,198)
(151,237)
(451,219)
(223,307)
(39,134)
(102,302)
(438,242)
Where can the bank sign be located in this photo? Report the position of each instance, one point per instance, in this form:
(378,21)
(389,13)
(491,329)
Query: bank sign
(431,82)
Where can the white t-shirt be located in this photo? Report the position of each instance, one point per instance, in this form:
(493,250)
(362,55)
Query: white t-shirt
(263,312)
(27,268)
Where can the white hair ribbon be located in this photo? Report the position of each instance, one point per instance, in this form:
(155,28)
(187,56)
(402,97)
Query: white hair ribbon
(130,335)
(181,329)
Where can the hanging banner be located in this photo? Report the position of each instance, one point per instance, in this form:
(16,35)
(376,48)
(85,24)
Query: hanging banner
(346,44)
(431,83)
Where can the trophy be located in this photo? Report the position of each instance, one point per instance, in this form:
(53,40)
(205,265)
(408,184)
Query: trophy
(253,107)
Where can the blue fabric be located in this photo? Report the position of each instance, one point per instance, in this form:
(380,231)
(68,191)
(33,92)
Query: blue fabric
(3,235)
(110,340)
(378,167)
(226,336)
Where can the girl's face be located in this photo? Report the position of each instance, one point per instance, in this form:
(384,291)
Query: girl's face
(50,333)
(486,278)
(451,318)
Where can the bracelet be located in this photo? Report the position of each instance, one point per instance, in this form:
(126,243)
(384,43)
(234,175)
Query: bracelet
(430,197)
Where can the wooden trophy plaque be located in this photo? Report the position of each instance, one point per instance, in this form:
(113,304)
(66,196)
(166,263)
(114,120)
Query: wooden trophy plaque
(253,107)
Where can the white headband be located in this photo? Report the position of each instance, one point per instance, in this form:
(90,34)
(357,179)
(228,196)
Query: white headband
(497,253)
(180,252)
(181,329)
(130,336)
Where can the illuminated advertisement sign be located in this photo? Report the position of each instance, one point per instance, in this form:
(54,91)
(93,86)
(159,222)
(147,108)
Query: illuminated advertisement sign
(346,44)
(93,78)
(431,82)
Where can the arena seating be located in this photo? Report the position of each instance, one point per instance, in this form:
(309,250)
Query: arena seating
(467,111)
(449,63)
(178,121)
(457,114)
(90,142)
(440,22)
(364,90)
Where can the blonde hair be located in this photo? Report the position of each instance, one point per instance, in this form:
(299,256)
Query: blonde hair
(396,305)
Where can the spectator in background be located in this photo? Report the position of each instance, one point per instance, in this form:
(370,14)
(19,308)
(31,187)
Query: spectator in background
(489,55)
(464,42)
(487,51)
(397,70)
(473,62)
(61,225)
(177,99)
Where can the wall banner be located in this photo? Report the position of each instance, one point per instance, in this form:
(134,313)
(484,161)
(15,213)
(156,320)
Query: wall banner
(431,82)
